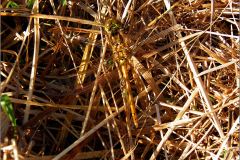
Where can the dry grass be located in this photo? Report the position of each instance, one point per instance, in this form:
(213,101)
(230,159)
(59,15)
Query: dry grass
(69,99)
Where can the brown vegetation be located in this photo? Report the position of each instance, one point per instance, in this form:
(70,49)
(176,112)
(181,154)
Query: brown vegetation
(69,99)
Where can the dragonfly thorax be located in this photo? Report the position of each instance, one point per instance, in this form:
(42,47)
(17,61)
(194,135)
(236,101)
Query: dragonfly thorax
(122,61)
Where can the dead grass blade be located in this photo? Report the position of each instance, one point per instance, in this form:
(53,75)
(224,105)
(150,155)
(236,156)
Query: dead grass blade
(182,65)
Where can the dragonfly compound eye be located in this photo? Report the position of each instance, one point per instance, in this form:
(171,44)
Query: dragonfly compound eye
(112,25)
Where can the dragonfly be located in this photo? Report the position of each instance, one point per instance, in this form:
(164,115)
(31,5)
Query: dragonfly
(121,55)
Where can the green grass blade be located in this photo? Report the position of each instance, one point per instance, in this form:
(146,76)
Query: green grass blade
(211,99)
(12,4)
(170,99)
(8,109)
(30,4)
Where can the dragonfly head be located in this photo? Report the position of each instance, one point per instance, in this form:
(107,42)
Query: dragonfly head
(112,25)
